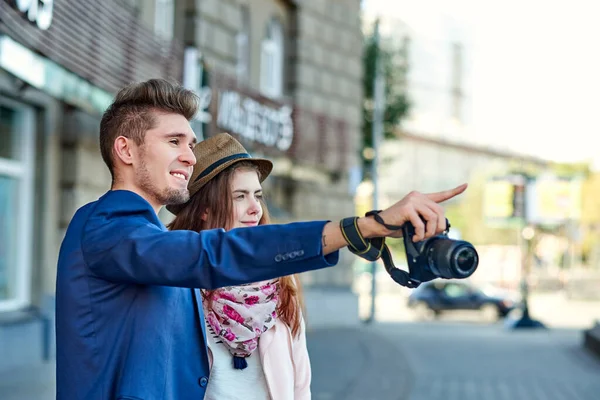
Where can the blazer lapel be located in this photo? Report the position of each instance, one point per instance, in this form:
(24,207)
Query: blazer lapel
(197,295)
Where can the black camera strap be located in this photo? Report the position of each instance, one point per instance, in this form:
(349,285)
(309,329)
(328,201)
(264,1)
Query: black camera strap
(375,214)
(369,249)
(373,249)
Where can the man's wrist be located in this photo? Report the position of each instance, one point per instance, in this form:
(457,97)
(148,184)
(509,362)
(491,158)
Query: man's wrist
(369,228)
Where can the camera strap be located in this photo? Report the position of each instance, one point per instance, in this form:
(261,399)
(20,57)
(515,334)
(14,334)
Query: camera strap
(369,249)
(375,248)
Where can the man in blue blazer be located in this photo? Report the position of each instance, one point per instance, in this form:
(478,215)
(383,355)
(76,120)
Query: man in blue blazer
(128,307)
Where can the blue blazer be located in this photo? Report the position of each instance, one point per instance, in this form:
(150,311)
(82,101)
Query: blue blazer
(129,320)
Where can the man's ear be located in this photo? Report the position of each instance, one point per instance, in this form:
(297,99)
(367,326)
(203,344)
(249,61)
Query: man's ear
(123,150)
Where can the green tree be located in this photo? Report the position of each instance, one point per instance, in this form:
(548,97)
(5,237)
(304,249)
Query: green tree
(394,65)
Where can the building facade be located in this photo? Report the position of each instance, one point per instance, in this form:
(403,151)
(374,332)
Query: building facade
(282,76)
(60,64)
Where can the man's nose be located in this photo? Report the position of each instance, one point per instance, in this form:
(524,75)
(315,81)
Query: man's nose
(188,157)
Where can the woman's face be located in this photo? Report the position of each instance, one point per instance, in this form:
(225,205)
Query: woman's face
(246,193)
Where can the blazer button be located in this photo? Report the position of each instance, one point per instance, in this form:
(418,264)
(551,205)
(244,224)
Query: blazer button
(203,381)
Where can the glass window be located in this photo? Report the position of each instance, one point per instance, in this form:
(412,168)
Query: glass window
(8,235)
(164,15)
(456,290)
(271,60)
(243,47)
(16,199)
(9,132)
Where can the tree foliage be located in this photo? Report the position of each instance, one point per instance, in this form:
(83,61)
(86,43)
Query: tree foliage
(396,101)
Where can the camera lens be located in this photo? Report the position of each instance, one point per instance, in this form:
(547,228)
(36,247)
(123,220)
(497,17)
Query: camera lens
(465,260)
(447,258)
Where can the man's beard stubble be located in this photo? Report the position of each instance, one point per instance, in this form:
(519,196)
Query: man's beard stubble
(164,197)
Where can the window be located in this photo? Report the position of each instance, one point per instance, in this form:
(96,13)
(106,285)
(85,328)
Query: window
(454,290)
(164,14)
(243,47)
(271,60)
(16,199)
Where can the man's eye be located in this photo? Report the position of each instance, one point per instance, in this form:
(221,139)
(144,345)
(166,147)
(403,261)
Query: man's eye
(174,141)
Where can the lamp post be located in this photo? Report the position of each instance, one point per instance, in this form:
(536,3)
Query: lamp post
(526,243)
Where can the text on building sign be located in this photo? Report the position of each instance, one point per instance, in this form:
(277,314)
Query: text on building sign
(38,11)
(256,122)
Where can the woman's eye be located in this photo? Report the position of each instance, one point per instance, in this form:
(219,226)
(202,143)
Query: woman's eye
(259,196)
(174,141)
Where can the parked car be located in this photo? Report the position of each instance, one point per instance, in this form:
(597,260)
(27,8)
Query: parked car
(432,298)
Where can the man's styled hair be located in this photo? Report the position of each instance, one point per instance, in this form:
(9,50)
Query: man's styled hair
(132,112)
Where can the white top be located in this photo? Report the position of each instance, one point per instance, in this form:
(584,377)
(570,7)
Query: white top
(226,382)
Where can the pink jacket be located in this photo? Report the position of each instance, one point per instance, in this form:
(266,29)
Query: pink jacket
(285,362)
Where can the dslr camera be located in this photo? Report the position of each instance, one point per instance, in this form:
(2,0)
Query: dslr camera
(438,256)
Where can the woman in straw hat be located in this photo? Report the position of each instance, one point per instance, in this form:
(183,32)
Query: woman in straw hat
(255,333)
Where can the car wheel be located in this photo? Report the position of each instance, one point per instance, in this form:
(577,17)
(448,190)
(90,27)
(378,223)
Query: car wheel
(489,312)
(423,312)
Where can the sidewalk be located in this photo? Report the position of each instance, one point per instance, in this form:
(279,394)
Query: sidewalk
(347,364)
(357,364)
(28,383)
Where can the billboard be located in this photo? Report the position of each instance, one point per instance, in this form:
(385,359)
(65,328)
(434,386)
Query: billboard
(551,200)
(547,200)
(503,201)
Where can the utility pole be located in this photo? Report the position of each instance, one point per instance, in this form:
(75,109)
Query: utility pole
(377,134)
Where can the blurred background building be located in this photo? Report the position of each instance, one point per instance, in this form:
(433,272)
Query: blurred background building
(462,80)
(60,64)
(284,77)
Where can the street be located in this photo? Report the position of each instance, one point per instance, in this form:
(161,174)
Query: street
(444,360)
(449,360)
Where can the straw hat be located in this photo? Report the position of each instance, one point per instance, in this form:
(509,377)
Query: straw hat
(215,154)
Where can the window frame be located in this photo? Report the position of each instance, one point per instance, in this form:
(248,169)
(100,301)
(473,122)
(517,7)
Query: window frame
(164,18)
(242,46)
(23,170)
(272,51)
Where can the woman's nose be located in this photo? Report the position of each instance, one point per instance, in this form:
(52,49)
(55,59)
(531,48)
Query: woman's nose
(255,207)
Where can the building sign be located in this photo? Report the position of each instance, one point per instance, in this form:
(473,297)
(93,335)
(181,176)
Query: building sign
(50,77)
(271,126)
(226,108)
(546,200)
(553,201)
(503,201)
(38,11)
(195,78)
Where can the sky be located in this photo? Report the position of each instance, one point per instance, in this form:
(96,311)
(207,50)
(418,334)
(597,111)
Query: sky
(534,69)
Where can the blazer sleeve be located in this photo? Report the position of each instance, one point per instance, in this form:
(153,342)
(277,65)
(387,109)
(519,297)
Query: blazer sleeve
(302,370)
(139,252)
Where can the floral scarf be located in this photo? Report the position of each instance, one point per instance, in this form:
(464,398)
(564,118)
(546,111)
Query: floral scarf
(238,315)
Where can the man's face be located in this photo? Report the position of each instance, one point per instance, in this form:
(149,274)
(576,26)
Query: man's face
(246,193)
(165,160)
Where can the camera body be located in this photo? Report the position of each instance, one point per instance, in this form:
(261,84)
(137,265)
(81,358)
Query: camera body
(438,256)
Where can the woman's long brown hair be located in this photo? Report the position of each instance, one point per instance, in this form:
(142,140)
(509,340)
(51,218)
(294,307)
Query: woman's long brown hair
(215,200)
